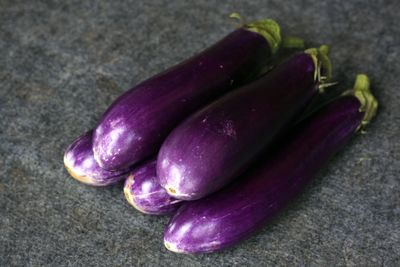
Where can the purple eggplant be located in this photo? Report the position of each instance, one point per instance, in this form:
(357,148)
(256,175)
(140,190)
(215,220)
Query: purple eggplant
(143,191)
(135,125)
(214,145)
(228,216)
(79,162)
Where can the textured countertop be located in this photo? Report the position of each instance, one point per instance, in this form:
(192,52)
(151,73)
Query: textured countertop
(63,62)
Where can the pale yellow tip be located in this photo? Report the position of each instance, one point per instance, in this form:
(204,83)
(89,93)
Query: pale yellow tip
(171,191)
(172,247)
(176,194)
(128,195)
(79,177)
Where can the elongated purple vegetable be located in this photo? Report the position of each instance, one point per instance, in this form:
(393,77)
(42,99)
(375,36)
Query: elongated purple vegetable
(134,126)
(143,191)
(228,216)
(213,146)
(80,163)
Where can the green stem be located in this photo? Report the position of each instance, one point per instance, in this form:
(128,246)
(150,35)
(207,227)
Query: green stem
(322,62)
(237,17)
(369,104)
(269,29)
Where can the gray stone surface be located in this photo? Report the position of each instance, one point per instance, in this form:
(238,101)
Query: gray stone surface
(63,62)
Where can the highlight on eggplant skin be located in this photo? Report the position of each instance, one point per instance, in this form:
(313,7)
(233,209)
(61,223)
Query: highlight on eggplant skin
(144,193)
(81,165)
(213,146)
(228,216)
(135,125)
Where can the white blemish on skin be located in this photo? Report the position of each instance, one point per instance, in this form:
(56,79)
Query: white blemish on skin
(114,138)
(164,163)
(175,201)
(203,228)
(176,173)
(171,227)
(99,129)
(117,139)
(96,155)
(146,187)
(147,195)
(115,122)
(183,230)
(228,128)
(88,163)
(212,244)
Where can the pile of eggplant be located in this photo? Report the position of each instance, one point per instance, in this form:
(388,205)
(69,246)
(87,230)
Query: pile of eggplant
(224,140)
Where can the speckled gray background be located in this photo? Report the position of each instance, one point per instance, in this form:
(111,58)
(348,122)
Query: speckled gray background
(61,65)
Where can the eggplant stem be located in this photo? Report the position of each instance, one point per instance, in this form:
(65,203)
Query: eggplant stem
(369,104)
(269,29)
(236,16)
(322,65)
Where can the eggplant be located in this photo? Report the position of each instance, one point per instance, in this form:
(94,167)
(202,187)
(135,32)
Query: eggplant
(80,164)
(213,146)
(135,125)
(144,193)
(228,216)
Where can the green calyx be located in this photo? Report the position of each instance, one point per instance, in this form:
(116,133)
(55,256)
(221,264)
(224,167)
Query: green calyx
(322,64)
(267,28)
(369,104)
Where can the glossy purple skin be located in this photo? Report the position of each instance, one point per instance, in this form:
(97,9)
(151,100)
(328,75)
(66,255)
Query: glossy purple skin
(143,191)
(228,216)
(80,163)
(134,126)
(216,144)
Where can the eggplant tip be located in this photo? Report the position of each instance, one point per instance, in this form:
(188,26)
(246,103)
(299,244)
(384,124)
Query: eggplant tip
(127,190)
(81,178)
(172,247)
(128,195)
(171,191)
(178,195)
